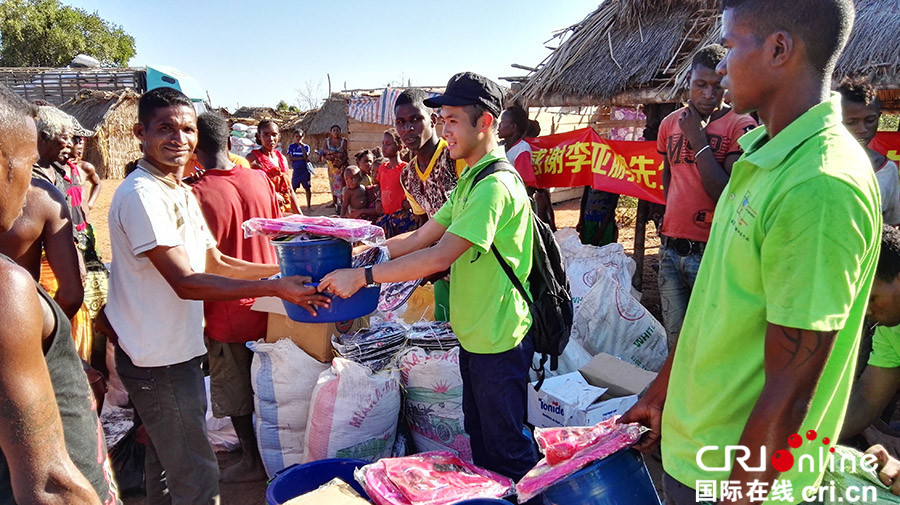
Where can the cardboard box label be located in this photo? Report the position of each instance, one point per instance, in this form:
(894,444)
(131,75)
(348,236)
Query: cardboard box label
(568,400)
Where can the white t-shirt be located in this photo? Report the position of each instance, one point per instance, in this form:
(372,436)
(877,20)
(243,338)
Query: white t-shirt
(889,185)
(155,326)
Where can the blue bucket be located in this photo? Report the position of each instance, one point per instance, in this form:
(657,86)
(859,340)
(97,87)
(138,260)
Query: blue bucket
(316,258)
(620,479)
(296,480)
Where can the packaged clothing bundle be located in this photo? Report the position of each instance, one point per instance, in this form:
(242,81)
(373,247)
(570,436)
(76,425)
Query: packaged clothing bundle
(432,336)
(393,294)
(373,347)
(431,478)
(300,227)
(432,400)
(353,414)
(567,450)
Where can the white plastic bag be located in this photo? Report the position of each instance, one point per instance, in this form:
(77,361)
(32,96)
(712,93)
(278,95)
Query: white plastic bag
(353,413)
(611,320)
(283,377)
(433,401)
(219,431)
(608,316)
(585,262)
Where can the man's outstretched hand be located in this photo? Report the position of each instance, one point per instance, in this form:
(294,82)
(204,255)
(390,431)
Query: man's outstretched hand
(888,467)
(645,412)
(295,290)
(344,282)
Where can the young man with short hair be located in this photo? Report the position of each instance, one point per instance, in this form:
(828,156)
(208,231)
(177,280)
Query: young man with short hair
(488,315)
(862,111)
(165,261)
(699,146)
(230,194)
(880,380)
(429,183)
(771,333)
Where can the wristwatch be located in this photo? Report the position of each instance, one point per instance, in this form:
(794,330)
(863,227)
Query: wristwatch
(370,282)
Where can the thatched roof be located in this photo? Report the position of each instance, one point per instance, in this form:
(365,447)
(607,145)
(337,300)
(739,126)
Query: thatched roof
(639,51)
(257,113)
(91,108)
(873,49)
(332,112)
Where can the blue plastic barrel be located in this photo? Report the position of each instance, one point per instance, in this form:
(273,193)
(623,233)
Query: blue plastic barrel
(315,258)
(620,479)
(296,480)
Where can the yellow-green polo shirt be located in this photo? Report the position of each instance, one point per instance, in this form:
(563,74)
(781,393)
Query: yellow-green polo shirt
(885,347)
(794,242)
(487,313)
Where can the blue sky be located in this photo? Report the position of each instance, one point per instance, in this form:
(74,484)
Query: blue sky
(259,52)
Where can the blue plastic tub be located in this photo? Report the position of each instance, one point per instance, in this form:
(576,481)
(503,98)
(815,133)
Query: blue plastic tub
(296,480)
(620,479)
(316,258)
(362,302)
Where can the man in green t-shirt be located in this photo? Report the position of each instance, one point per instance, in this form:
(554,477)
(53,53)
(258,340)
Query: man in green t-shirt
(765,358)
(487,313)
(880,380)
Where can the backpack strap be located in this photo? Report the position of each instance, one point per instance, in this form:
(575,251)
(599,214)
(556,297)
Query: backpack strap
(493,168)
(504,166)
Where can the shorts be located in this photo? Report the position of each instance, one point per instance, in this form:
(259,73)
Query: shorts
(300,177)
(229,378)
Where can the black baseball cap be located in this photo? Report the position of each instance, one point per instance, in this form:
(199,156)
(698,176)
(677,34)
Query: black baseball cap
(469,88)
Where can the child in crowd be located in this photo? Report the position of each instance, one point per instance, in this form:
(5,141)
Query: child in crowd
(396,214)
(861,112)
(355,202)
(364,160)
(298,154)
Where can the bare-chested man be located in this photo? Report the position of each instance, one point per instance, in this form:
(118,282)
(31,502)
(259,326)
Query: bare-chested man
(45,226)
(45,457)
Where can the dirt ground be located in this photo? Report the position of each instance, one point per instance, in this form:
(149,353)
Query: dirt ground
(566,216)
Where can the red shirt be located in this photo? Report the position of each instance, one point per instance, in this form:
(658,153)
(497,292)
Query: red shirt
(227,199)
(689,209)
(392,194)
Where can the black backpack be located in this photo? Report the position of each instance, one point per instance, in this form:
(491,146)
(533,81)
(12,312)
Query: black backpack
(550,300)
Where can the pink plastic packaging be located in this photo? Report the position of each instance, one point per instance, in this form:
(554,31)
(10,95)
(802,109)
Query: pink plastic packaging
(430,478)
(569,449)
(351,230)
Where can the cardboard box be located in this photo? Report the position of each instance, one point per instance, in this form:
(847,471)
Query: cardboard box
(568,400)
(618,377)
(314,338)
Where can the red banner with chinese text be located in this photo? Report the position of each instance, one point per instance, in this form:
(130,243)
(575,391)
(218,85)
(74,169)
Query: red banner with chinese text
(888,144)
(633,168)
(583,158)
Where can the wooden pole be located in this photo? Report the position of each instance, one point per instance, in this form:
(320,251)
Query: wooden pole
(640,235)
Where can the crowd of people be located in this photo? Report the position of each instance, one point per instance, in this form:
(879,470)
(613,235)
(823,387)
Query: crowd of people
(773,254)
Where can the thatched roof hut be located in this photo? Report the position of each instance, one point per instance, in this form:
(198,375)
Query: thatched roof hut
(332,112)
(256,113)
(112,116)
(630,52)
